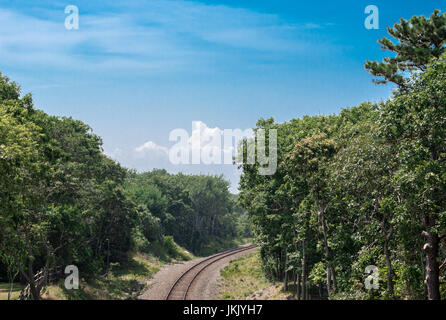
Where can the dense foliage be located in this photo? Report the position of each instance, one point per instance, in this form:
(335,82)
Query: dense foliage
(62,201)
(197,210)
(364,187)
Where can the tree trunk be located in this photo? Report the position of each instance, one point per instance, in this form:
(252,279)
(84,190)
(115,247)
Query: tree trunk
(389,267)
(328,280)
(297,286)
(327,250)
(285,281)
(304,274)
(333,277)
(432,268)
(297,275)
(29,276)
(11,283)
(423,266)
(34,291)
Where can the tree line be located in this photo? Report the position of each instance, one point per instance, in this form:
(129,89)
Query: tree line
(197,210)
(365,187)
(62,201)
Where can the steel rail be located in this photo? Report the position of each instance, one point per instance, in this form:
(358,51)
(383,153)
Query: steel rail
(211,260)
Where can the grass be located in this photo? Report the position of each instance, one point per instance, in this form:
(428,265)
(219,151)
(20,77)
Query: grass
(219,245)
(4,289)
(123,282)
(243,279)
(167,250)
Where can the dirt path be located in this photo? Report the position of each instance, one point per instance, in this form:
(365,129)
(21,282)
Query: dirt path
(205,286)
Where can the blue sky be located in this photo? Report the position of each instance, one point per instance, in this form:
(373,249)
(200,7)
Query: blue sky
(136,70)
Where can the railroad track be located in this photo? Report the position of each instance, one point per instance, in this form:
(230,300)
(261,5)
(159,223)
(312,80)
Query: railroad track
(181,287)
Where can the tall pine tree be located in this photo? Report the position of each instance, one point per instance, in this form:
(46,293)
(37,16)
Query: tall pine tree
(418,41)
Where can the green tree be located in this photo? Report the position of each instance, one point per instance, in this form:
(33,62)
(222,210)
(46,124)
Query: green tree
(415,124)
(61,198)
(418,40)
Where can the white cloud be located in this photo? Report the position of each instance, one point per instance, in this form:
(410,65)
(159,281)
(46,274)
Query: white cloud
(205,141)
(201,138)
(150,146)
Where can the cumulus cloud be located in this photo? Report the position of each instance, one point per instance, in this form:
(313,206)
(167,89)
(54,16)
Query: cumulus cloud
(150,146)
(205,145)
(207,142)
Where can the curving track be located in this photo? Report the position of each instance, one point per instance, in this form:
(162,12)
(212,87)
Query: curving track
(180,288)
